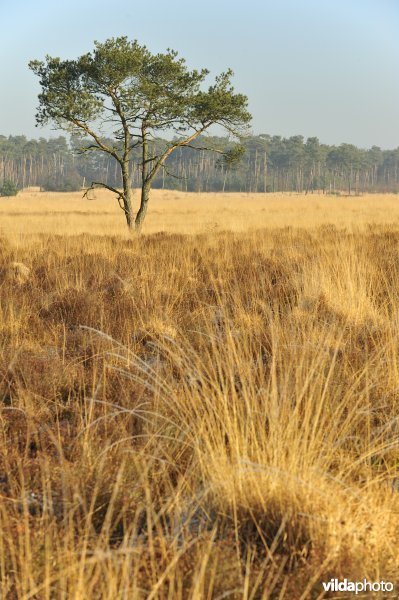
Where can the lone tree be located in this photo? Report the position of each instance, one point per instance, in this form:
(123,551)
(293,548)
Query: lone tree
(123,89)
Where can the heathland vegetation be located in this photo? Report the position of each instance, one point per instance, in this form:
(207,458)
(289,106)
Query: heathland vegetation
(198,416)
(208,409)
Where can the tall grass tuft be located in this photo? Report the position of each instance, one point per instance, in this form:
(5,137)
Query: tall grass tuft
(204,416)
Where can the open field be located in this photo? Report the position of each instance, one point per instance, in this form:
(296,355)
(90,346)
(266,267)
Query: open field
(212,415)
(178,212)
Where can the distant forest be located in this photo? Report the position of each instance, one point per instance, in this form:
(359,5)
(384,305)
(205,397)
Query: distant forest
(269,164)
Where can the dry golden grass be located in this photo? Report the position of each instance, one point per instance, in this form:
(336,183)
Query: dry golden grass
(178,212)
(198,416)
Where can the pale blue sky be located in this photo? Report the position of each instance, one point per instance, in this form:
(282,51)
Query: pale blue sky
(325,68)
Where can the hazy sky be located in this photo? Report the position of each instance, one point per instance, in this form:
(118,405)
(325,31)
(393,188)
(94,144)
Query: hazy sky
(325,68)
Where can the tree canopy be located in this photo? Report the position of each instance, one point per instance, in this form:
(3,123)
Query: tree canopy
(121,97)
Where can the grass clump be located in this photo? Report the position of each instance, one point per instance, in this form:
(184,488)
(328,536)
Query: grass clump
(198,416)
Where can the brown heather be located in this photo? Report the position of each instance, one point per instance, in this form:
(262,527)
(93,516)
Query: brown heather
(212,415)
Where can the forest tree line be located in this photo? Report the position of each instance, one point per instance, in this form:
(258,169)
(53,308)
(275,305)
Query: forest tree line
(269,164)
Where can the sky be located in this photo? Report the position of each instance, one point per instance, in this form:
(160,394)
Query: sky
(325,68)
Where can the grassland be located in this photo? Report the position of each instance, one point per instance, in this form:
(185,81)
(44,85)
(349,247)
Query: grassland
(177,212)
(209,410)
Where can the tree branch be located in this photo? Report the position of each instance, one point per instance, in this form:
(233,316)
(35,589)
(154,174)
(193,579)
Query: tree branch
(204,148)
(179,177)
(120,196)
(170,149)
(96,138)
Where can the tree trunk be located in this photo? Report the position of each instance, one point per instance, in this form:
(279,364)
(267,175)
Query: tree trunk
(224,180)
(145,195)
(127,195)
(145,182)
(265,173)
(127,204)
